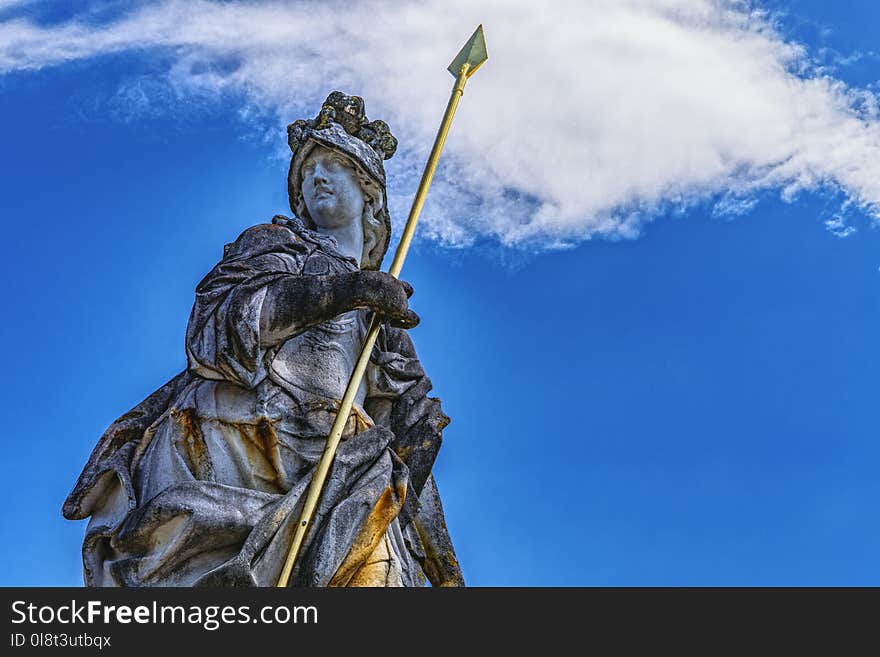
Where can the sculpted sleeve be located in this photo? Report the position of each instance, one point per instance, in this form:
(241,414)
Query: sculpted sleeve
(399,399)
(223,334)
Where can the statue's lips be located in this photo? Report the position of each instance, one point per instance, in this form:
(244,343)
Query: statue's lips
(323,192)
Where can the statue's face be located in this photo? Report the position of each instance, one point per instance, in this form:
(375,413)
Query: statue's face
(330,189)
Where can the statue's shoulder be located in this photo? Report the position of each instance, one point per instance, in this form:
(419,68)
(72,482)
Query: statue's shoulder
(282,234)
(302,249)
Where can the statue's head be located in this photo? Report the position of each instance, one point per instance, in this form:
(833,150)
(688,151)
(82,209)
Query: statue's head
(341,144)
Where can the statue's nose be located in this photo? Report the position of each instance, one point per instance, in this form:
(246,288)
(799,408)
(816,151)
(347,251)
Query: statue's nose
(319,175)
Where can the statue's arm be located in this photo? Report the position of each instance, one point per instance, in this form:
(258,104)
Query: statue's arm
(296,303)
(257,296)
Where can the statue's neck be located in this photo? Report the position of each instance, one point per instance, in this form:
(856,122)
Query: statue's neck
(349,239)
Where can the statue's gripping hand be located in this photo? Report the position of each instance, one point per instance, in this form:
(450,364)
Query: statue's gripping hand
(381,293)
(296,303)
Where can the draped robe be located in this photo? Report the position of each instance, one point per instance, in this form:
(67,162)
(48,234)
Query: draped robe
(202,482)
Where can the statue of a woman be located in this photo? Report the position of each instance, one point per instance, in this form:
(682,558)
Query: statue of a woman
(202,483)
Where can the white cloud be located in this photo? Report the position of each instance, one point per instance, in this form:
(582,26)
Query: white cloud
(838,227)
(588,118)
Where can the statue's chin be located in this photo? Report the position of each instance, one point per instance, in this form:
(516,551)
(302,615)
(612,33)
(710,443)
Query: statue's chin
(325,221)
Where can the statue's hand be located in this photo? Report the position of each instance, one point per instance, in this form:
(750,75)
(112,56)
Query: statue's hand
(380,292)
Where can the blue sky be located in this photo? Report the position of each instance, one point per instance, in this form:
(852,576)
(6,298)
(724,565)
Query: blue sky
(656,376)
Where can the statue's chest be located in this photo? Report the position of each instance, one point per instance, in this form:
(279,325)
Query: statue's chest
(320,263)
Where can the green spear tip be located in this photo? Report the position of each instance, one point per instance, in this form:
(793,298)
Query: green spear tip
(473,53)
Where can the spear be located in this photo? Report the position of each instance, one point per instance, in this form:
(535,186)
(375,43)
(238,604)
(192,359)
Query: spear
(465,64)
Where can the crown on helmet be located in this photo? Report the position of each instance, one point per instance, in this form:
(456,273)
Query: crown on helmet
(369,142)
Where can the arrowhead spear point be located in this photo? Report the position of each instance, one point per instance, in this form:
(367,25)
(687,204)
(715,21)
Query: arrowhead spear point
(473,54)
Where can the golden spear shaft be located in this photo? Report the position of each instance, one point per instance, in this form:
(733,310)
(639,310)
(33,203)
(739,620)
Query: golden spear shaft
(463,66)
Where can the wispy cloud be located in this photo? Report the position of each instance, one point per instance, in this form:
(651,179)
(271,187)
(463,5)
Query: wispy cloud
(589,118)
(838,227)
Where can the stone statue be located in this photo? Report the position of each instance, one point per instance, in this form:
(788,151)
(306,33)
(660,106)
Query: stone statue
(202,482)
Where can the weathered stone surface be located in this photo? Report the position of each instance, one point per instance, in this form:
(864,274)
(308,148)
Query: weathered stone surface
(202,482)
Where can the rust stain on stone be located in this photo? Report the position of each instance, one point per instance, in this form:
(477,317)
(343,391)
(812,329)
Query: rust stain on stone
(357,422)
(192,442)
(269,439)
(260,443)
(355,568)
